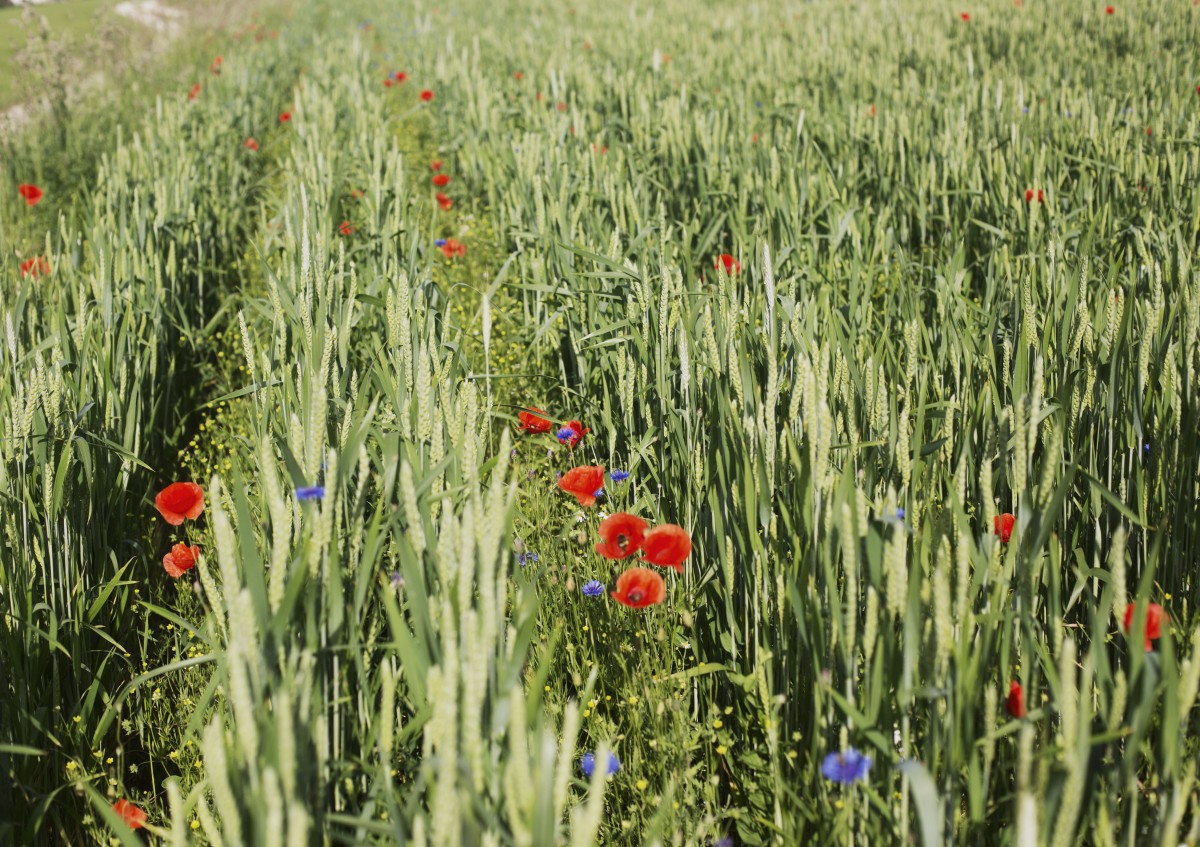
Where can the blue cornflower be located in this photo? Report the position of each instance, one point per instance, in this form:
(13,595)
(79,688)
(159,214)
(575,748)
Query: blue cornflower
(527,559)
(593,588)
(312,492)
(599,492)
(618,476)
(588,764)
(900,514)
(846,768)
(397,579)
(565,434)
(441,242)
(1146,447)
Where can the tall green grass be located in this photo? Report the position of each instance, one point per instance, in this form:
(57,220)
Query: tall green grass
(908,349)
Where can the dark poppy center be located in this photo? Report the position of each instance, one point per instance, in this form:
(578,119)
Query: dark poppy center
(623,541)
(635,596)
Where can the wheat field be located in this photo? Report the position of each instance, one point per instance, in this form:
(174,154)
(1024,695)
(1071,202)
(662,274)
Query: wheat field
(671,424)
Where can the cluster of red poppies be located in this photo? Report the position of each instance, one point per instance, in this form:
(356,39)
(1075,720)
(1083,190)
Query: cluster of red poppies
(570,434)
(1156,618)
(178,502)
(440,180)
(622,535)
(665,545)
(34,266)
(398,78)
(1014,704)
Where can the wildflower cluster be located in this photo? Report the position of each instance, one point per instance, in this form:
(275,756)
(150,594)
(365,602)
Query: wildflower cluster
(178,502)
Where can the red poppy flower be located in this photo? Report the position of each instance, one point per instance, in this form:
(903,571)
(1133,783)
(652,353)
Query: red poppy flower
(284,117)
(426,95)
(583,482)
(453,247)
(181,558)
(587,45)
(215,65)
(346,228)
(180,501)
(35,267)
(134,817)
(387,83)
(965,16)
(356,193)
(32,194)
(622,535)
(1028,195)
(571,433)
(732,266)
(1108,10)
(531,422)
(1002,525)
(195,92)
(250,144)
(1014,704)
(444,201)
(871,111)
(667,545)
(539,97)
(638,588)
(754,138)
(1155,618)
(561,106)
(400,77)
(518,76)
(1040,196)
(435,165)
(601,151)
(441,180)
(1149,130)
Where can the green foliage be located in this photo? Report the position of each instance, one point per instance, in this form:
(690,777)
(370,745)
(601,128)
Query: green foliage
(907,348)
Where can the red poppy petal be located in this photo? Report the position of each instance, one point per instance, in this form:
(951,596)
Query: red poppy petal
(667,546)
(583,482)
(622,535)
(639,588)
